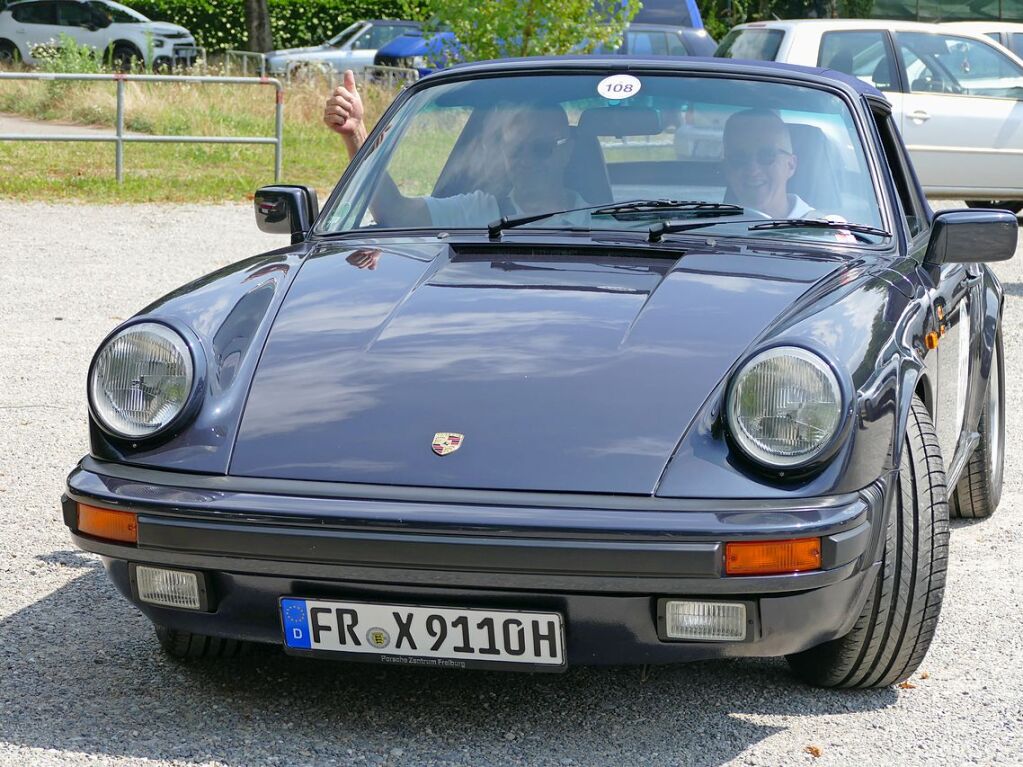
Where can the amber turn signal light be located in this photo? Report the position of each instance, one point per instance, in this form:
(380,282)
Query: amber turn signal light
(109,524)
(772,557)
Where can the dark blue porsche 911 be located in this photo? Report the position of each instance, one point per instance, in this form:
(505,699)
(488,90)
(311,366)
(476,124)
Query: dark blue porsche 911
(584,361)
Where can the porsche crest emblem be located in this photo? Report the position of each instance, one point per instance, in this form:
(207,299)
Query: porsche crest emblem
(445,442)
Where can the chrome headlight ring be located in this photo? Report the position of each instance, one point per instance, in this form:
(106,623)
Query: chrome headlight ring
(793,413)
(176,366)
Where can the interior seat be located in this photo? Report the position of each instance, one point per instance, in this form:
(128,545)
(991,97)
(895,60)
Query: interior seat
(585,171)
(882,76)
(817,178)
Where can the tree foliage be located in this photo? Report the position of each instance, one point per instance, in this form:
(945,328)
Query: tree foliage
(491,29)
(721,15)
(220,24)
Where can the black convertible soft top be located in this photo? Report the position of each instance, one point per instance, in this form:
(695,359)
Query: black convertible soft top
(677,63)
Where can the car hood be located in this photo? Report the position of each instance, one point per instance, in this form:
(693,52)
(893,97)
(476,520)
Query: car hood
(299,51)
(563,370)
(163,28)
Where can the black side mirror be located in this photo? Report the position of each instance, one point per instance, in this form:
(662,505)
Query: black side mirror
(286,209)
(972,236)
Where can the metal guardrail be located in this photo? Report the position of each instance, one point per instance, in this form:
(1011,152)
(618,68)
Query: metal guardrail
(244,57)
(120,139)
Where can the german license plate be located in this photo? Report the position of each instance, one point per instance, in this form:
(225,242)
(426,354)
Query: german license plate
(429,636)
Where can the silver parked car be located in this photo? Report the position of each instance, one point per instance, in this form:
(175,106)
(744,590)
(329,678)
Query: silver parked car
(957,96)
(354,48)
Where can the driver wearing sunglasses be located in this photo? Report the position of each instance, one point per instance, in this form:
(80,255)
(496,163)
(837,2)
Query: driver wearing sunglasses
(759,162)
(531,146)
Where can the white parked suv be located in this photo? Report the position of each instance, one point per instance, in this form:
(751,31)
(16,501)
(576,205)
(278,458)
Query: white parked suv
(957,96)
(114,29)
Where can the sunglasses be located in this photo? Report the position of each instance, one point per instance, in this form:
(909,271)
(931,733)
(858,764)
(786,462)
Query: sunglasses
(538,149)
(765,156)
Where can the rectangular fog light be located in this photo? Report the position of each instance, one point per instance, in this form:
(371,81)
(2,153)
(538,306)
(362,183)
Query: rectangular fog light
(169,588)
(705,621)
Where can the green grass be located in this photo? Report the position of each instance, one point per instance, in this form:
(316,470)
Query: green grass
(170,172)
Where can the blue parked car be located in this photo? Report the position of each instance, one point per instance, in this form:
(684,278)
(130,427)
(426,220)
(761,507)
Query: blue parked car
(661,28)
(523,399)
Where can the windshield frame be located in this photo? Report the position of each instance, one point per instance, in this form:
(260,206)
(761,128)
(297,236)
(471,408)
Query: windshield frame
(855,103)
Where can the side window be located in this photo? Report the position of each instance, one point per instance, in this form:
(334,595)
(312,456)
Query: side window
(675,45)
(751,43)
(863,54)
(36,13)
(647,43)
(361,41)
(1016,43)
(73,14)
(912,204)
(946,64)
(380,35)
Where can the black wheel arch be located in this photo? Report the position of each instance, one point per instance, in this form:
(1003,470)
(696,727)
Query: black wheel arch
(112,48)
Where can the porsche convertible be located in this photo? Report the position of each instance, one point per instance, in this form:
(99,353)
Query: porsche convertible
(552,379)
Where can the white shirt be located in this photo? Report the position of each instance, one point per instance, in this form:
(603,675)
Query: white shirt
(798,207)
(480,208)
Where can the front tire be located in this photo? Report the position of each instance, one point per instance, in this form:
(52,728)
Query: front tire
(897,623)
(123,57)
(979,489)
(185,645)
(9,54)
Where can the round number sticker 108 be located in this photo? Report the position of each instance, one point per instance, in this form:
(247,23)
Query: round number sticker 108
(619,86)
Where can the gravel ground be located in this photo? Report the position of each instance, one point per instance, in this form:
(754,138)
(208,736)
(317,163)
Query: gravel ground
(82,681)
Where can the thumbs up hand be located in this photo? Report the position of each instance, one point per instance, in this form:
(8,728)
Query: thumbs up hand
(343,112)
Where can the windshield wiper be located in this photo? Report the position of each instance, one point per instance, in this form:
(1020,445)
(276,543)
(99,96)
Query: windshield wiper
(495,228)
(857,230)
(657,231)
(654,206)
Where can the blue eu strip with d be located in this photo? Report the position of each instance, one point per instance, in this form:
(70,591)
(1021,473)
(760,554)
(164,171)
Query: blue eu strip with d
(296,623)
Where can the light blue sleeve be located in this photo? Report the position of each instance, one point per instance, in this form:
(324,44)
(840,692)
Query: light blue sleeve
(472,209)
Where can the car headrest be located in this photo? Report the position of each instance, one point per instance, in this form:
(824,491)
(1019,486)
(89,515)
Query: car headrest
(882,75)
(816,179)
(620,121)
(842,61)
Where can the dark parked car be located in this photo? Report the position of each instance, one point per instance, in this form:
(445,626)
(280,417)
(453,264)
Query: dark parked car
(523,399)
(660,28)
(428,52)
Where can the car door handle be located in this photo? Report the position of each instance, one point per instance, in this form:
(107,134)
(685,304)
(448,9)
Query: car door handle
(920,116)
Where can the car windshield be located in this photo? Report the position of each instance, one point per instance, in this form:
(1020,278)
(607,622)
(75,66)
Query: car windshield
(345,34)
(119,14)
(465,154)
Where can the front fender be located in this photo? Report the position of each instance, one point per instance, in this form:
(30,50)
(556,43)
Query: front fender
(872,329)
(230,311)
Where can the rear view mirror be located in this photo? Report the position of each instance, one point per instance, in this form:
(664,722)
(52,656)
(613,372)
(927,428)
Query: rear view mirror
(286,209)
(620,121)
(972,236)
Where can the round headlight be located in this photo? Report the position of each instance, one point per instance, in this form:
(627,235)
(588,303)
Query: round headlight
(141,380)
(784,406)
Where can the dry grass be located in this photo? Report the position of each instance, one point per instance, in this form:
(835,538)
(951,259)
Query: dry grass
(312,154)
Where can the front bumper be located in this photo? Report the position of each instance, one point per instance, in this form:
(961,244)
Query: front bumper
(601,562)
